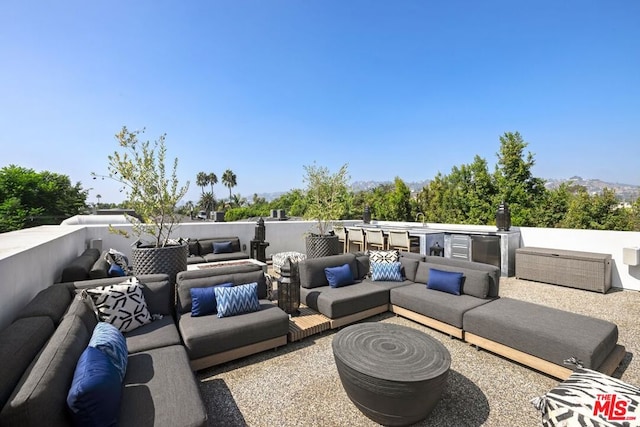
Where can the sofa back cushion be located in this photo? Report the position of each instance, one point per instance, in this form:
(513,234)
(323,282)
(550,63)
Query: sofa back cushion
(493,271)
(475,283)
(52,302)
(40,396)
(240,275)
(156,289)
(311,270)
(205,246)
(409,267)
(79,267)
(20,342)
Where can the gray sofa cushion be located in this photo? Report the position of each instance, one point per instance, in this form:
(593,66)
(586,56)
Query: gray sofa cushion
(100,269)
(159,333)
(82,307)
(438,305)
(160,390)
(206,335)
(494,272)
(363,263)
(412,255)
(239,275)
(311,270)
(41,394)
(19,344)
(79,267)
(476,282)
(195,259)
(548,333)
(338,302)
(227,256)
(205,246)
(52,302)
(409,267)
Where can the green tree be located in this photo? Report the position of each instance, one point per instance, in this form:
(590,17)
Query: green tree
(152,191)
(229,180)
(294,202)
(327,195)
(29,198)
(596,212)
(515,181)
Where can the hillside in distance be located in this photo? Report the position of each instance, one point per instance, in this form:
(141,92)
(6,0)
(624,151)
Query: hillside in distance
(625,192)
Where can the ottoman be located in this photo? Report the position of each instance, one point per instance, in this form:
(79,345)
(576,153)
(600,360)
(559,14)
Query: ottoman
(280,258)
(394,374)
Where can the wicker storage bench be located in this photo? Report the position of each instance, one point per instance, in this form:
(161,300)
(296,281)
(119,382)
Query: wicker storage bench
(582,270)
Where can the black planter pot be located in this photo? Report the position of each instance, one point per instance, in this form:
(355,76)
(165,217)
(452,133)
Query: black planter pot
(321,246)
(169,260)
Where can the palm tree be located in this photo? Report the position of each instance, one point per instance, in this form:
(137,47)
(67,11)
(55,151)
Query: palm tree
(202,180)
(229,180)
(213,180)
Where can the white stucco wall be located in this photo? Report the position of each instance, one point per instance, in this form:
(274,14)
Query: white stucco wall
(33,259)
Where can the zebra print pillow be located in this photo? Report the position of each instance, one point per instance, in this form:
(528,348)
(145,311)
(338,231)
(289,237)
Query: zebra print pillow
(589,397)
(384,256)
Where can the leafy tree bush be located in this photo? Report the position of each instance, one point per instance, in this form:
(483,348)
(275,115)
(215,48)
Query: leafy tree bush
(29,198)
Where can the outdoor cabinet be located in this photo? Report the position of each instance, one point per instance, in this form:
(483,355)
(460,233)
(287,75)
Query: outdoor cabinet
(582,270)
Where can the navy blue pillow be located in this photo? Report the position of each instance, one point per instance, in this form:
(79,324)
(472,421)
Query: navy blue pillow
(96,390)
(445,281)
(203,300)
(115,271)
(339,276)
(222,247)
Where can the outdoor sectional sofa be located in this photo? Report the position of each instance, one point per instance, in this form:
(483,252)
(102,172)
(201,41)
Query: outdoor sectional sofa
(40,349)
(215,249)
(534,335)
(211,340)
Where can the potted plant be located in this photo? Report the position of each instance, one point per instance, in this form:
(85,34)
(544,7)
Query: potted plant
(327,198)
(154,195)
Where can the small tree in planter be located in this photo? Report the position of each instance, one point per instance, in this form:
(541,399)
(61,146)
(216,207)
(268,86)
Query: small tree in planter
(327,202)
(154,196)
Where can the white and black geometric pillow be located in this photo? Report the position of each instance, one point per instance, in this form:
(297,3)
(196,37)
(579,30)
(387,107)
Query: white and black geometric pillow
(384,256)
(122,305)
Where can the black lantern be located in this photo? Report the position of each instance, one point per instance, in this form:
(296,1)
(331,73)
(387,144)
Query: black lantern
(366,215)
(503,217)
(289,288)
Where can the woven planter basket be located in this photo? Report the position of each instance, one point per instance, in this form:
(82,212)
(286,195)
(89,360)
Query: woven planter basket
(169,260)
(321,246)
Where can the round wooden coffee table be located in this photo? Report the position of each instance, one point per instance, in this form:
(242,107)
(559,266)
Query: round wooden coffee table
(394,374)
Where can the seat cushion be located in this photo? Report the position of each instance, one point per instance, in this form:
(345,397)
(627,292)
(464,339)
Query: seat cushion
(548,333)
(159,333)
(438,305)
(338,302)
(206,335)
(160,390)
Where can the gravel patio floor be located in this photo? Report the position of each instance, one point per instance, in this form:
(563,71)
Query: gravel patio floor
(298,385)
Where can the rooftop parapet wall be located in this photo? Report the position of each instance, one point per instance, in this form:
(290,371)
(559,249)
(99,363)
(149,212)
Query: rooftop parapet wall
(33,259)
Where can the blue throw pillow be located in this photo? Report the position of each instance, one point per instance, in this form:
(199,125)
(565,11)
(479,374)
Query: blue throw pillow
(96,390)
(388,271)
(108,339)
(445,281)
(237,299)
(115,271)
(203,300)
(339,276)
(222,247)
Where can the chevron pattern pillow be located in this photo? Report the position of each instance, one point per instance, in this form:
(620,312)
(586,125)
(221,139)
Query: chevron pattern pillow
(384,256)
(109,340)
(386,271)
(123,305)
(237,299)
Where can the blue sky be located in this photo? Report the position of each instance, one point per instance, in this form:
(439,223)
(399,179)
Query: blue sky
(262,88)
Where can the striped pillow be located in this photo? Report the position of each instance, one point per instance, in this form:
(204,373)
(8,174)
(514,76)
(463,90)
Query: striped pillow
(237,299)
(386,271)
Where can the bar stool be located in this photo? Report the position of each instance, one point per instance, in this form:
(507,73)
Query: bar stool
(341,232)
(375,240)
(402,241)
(356,237)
